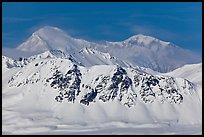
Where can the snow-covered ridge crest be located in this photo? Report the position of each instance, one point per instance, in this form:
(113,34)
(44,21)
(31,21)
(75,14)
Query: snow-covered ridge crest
(142,40)
(192,72)
(23,61)
(85,57)
(146,40)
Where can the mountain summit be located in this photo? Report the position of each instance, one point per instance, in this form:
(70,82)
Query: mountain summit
(51,38)
(141,39)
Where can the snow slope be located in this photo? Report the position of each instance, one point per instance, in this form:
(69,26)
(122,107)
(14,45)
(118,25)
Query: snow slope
(48,94)
(192,72)
(138,50)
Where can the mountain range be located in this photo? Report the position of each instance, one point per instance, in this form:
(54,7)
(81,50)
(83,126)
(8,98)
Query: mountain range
(67,82)
(138,50)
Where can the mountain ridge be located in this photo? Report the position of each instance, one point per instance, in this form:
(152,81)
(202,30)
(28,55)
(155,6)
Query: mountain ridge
(140,50)
(60,82)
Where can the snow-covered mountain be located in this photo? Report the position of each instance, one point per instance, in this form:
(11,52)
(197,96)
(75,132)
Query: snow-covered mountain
(152,53)
(52,38)
(138,50)
(23,61)
(192,72)
(85,57)
(100,93)
(68,82)
(89,57)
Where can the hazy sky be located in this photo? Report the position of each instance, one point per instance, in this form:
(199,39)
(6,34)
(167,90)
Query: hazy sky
(177,22)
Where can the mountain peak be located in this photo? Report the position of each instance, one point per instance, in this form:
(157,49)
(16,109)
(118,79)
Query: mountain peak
(145,40)
(48,30)
(48,38)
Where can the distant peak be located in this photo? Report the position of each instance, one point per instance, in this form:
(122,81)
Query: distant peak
(140,36)
(46,38)
(48,30)
(51,28)
(146,40)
